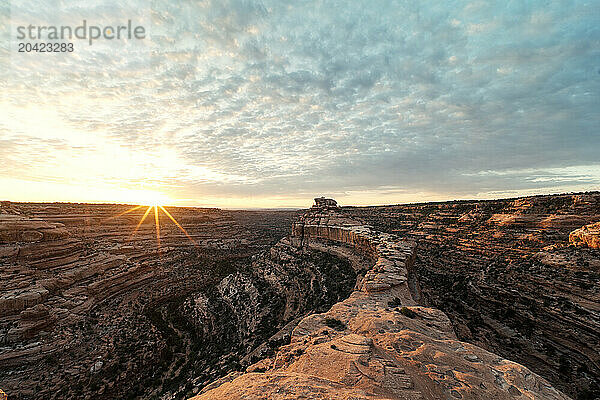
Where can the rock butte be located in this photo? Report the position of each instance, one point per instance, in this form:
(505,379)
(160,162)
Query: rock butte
(381,344)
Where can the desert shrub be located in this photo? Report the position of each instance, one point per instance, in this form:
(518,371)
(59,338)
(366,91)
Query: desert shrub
(335,323)
(407,312)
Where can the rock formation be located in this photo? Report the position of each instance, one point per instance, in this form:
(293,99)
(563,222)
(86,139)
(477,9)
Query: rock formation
(251,312)
(588,235)
(378,343)
(406,301)
(79,291)
(517,289)
(322,202)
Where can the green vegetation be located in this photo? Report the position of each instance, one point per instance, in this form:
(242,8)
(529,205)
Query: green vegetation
(395,302)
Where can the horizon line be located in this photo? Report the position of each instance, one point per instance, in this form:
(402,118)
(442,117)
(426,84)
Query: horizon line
(294,208)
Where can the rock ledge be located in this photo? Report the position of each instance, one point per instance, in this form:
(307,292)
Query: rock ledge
(378,343)
(588,235)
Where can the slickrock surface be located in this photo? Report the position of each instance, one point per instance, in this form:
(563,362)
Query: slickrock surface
(588,235)
(378,343)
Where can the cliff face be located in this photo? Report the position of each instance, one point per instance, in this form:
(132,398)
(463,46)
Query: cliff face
(407,301)
(588,235)
(378,343)
(509,279)
(250,313)
(81,296)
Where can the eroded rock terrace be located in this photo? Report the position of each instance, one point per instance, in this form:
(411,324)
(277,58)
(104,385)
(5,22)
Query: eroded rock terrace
(378,343)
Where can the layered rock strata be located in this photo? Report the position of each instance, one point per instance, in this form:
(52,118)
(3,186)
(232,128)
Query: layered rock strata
(514,285)
(81,285)
(588,235)
(378,343)
(251,312)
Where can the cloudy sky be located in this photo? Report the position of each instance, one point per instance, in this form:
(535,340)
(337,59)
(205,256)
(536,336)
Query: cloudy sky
(239,103)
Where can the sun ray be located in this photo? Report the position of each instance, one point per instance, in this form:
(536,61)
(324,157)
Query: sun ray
(124,212)
(155,208)
(140,223)
(177,223)
(157,227)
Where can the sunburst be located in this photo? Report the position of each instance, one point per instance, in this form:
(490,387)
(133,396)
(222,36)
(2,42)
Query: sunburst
(155,208)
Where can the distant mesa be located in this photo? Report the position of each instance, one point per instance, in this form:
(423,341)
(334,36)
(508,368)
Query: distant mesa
(322,202)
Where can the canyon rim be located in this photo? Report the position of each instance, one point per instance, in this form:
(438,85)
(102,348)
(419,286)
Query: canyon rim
(483,299)
(278,199)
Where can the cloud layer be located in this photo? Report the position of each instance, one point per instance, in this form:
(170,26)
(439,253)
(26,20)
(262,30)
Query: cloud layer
(268,102)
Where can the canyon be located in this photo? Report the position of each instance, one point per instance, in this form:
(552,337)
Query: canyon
(85,287)
(463,299)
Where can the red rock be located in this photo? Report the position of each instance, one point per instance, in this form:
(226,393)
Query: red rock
(376,352)
(588,235)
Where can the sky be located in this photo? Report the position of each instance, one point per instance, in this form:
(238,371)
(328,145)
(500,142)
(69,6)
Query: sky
(243,104)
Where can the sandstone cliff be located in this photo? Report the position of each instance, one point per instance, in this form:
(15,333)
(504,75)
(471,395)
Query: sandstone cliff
(90,310)
(250,312)
(81,296)
(378,343)
(516,288)
(588,235)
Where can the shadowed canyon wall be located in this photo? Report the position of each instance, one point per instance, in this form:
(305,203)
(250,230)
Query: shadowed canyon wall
(409,301)
(510,278)
(82,295)
(377,343)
